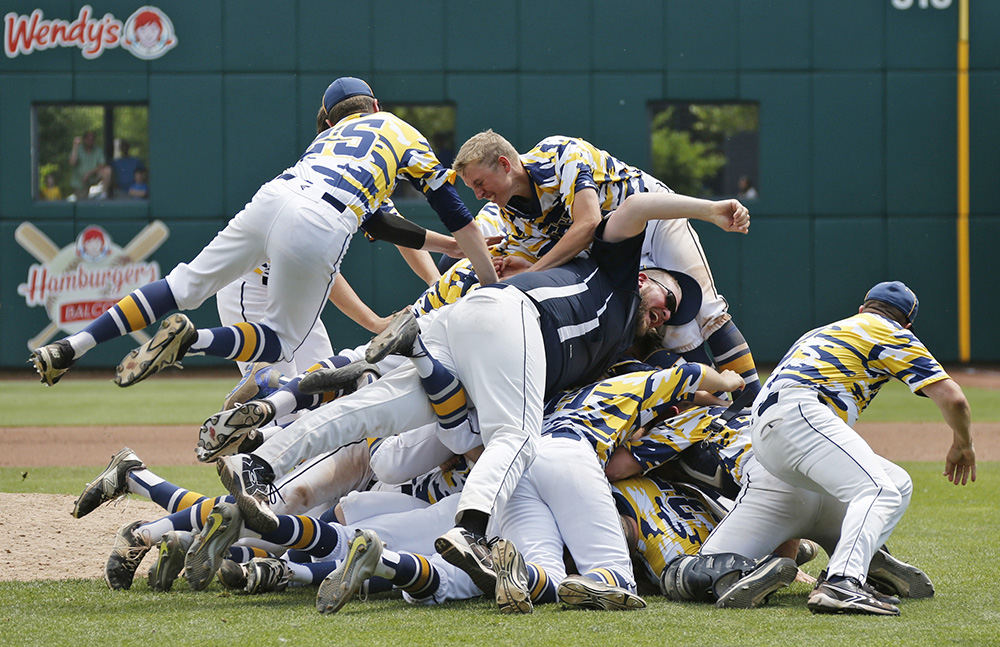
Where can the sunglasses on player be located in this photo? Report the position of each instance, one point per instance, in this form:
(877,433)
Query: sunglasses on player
(671,299)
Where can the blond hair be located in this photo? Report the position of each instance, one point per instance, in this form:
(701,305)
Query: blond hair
(483,148)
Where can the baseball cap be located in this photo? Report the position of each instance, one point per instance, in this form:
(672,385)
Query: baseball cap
(895,293)
(690,297)
(344,88)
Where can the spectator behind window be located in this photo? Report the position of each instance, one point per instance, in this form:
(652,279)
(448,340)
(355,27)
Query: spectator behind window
(51,190)
(124,170)
(139,188)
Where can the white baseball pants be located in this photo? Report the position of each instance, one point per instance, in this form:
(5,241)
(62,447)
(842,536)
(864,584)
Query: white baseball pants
(491,340)
(802,442)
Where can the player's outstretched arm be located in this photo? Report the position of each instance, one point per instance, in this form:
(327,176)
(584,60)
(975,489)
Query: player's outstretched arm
(471,240)
(714,381)
(421,263)
(347,301)
(960,463)
(586,215)
(639,208)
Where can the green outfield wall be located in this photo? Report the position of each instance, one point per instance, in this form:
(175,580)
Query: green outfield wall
(857,141)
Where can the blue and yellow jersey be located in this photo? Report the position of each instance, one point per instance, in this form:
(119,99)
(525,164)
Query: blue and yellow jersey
(438,483)
(669,438)
(848,361)
(671,522)
(359,159)
(460,278)
(607,412)
(559,168)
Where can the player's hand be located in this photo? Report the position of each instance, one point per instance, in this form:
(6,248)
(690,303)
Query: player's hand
(733,381)
(511,265)
(960,464)
(732,216)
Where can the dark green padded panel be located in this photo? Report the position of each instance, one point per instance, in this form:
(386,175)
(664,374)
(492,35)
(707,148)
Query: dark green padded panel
(480,36)
(628,37)
(551,36)
(840,279)
(257,36)
(408,36)
(622,101)
(920,142)
(921,39)
(848,35)
(186,145)
(702,35)
(775,35)
(562,104)
(848,125)
(984,141)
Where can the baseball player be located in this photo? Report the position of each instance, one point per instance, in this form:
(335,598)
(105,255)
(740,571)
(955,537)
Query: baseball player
(551,327)
(551,199)
(802,432)
(301,222)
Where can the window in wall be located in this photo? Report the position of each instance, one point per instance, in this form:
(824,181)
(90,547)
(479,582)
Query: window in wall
(90,152)
(706,149)
(437,123)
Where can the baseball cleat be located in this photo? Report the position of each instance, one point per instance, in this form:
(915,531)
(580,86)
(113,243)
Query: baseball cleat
(166,348)
(233,575)
(173,546)
(250,483)
(52,361)
(339,586)
(584,593)
(751,591)
(847,596)
(807,552)
(347,378)
(893,576)
(472,554)
(211,545)
(512,593)
(109,485)
(126,554)
(260,381)
(225,432)
(397,338)
(267,575)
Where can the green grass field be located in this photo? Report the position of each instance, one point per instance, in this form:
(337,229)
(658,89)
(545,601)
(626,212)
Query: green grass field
(949,531)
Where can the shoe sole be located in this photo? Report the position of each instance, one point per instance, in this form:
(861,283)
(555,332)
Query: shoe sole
(903,579)
(216,438)
(584,594)
(338,587)
(511,596)
(209,548)
(822,603)
(85,504)
(166,348)
(170,558)
(118,575)
(42,361)
(460,557)
(325,380)
(750,591)
(256,515)
(387,342)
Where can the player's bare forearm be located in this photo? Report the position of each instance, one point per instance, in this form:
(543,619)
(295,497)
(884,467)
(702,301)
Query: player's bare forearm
(622,465)
(474,246)
(586,214)
(347,301)
(714,381)
(960,462)
(421,263)
(639,208)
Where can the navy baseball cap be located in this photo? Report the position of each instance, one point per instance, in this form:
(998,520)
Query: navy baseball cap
(344,88)
(690,296)
(895,293)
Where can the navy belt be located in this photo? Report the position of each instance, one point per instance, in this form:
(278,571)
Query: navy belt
(327,198)
(563,433)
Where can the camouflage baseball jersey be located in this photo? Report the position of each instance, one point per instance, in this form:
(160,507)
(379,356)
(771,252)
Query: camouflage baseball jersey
(848,361)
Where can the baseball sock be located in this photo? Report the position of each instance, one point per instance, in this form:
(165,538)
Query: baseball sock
(243,342)
(288,399)
(411,572)
(731,351)
(541,588)
(136,311)
(191,519)
(446,394)
(165,494)
(610,576)
(310,572)
(320,539)
(243,554)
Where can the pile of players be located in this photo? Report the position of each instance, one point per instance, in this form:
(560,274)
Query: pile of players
(574,400)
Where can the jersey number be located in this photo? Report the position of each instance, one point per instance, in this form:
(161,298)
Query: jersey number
(366,139)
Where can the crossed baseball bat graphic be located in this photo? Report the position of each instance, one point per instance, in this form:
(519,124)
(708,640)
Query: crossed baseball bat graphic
(36,243)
